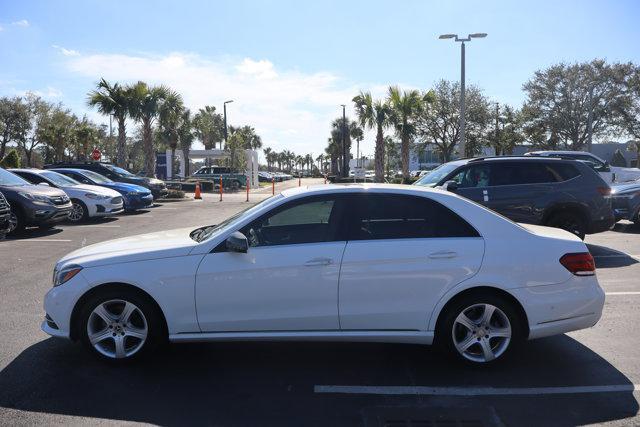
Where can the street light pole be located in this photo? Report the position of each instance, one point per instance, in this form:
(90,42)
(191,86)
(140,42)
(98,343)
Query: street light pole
(461,147)
(224,107)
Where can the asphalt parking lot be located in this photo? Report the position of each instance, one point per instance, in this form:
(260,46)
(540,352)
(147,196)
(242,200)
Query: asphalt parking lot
(586,377)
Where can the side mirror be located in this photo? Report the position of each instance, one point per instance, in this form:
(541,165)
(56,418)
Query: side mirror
(450,186)
(237,242)
(44,184)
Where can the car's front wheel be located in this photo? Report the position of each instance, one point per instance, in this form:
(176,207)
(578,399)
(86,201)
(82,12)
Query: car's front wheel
(16,222)
(120,325)
(79,211)
(480,328)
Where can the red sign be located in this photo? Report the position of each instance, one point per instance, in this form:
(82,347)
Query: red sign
(96,154)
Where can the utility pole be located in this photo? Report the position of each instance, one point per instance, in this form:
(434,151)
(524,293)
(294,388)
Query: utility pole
(461,147)
(345,161)
(224,107)
(497,147)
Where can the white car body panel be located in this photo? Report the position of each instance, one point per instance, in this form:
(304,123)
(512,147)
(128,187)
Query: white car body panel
(268,293)
(79,192)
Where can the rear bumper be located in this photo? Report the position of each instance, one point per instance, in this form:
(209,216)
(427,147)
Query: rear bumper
(556,309)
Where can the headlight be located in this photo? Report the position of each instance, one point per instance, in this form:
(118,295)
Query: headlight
(95,196)
(36,197)
(64,275)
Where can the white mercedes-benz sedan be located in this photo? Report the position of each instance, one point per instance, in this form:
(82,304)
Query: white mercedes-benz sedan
(378,263)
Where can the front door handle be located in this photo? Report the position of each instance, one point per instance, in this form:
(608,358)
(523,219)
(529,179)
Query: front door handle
(318,261)
(443,255)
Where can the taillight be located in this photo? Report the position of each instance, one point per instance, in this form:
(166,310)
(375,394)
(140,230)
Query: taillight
(580,264)
(604,191)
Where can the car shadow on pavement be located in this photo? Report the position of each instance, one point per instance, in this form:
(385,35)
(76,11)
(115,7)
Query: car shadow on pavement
(32,233)
(273,383)
(610,258)
(627,227)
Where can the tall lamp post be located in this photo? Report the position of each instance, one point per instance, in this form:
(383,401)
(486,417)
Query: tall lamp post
(224,107)
(462,78)
(345,161)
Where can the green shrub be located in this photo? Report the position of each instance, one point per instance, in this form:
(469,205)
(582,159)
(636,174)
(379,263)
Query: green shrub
(11,160)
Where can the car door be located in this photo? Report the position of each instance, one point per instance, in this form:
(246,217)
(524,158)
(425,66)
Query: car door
(404,253)
(517,189)
(472,182)
(287,280)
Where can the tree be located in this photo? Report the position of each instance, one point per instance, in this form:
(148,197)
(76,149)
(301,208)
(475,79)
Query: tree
(568,105)
(350,128)
(268,156)
(169,120)
(87,135)
(406,107)
(116,100)
(250,139)
(14,121)
(11,160)
(629,111)
(146,105)
(440,123)
(374,115)
(507,130)
(185,137)
(320,160)
(57,131)
(209,127)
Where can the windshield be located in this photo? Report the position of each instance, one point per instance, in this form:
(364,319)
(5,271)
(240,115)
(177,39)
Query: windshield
(96,177)
(436,175)
(12,180)
(59,179)
(118,170)
(203,233)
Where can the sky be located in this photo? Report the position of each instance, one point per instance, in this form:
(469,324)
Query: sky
(288,65)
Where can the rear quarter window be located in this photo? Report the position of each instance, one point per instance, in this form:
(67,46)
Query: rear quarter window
(563,171)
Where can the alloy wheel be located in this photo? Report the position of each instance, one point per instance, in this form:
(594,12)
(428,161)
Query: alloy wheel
(117,329)
(481,333)
(77,212)
(13,222)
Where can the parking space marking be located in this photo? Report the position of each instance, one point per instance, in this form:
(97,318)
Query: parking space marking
(473,391)
(38,240)
(622,293)
(95,226)
(162,208)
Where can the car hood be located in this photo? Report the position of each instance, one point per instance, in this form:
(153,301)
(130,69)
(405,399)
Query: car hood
(626,174)
(625,188)
(163,244)
(32,189)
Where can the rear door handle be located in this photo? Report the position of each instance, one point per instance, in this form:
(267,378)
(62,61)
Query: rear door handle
(318,261)
(443,255)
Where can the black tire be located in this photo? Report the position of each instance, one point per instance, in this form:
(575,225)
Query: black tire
(16,218)
(235,185)
(78,204)
(153,320)
(445,331)
(570,221)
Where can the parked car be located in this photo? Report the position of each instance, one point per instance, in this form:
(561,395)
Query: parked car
(548,191)
(625,199)
(375,263)
(214,173)
(5,217)
(158,187)
(87,200)
(264,176)
(134,196)
(33,205)
(609,173)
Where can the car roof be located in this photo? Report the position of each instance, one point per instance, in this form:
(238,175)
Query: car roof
(32,170)
(358,188)
(560,152)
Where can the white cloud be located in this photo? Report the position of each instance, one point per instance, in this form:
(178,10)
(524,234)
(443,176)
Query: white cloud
(66,52)
(49,92)
(21,23)
(289,109)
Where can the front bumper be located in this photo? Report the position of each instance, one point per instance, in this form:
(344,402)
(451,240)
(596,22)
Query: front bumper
(46,214)
(159,193)
(59,302)
(556,309)
(106,207)
(138,202)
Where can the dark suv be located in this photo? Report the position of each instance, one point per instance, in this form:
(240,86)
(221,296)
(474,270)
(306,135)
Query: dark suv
(566,194)
(35,205)
(158,188)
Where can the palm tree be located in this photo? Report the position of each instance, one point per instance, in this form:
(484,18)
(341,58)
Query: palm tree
(374,114)
(351,130)
(320,160)
(334,150)
(114,100)
(147,102)
(267,155)
(186,137)
(309,161)
(209,127)
(406,106)
(170,116)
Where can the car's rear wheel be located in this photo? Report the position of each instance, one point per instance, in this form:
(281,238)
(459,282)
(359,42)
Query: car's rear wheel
(569,221)
(480,329)
(79,211)
(120,325)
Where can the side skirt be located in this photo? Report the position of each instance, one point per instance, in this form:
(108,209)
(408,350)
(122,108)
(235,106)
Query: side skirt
(406,337)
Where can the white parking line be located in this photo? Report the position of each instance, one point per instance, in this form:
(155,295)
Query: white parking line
(37,240)
(622,293)
(164,209)
(472,391)
(94,226)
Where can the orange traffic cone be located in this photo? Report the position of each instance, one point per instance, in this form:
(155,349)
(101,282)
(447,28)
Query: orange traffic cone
(198,196)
